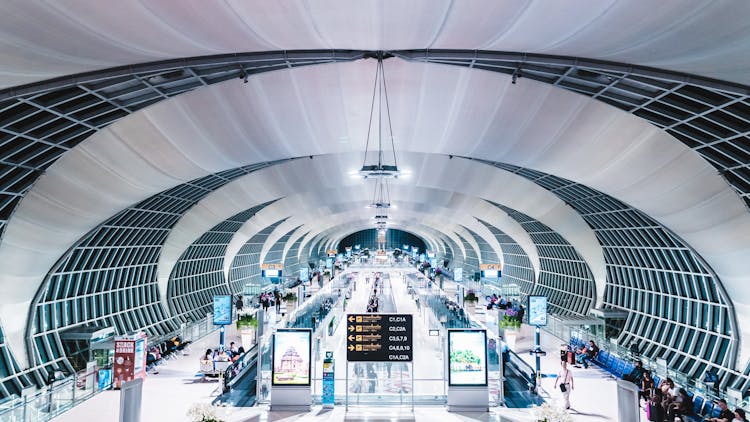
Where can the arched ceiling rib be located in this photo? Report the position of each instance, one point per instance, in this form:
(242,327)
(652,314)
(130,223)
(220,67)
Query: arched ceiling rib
(42,40)
(445,220)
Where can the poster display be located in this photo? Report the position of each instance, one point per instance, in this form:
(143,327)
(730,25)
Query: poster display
(130,359)
(291,357)
(140,350)
(458,274)
(304,273)
(222,310)
(467,357)
(538,310)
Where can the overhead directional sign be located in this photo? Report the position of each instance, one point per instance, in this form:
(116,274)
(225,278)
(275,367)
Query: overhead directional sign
(379,338)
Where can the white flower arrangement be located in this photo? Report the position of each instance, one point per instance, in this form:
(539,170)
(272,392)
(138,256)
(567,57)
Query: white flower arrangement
(203,412)
(547,413)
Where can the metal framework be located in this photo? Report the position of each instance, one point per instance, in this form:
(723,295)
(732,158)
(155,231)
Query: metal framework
(517,266)
(109,276)
(199,273)
(244,273)
(564,276)
(648,267)
(677,308)
(711,117)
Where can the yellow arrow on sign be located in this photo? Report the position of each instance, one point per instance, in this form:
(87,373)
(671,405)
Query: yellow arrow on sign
(351,328)
(351,318)
(351,337)
(351,348)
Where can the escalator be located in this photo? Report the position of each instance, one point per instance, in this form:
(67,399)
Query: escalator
(520,383)
(240,381)
(241,378)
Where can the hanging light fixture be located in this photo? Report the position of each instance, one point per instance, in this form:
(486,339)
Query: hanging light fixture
(380,167)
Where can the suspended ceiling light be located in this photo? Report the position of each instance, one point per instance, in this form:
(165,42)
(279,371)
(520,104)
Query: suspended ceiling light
(380,167)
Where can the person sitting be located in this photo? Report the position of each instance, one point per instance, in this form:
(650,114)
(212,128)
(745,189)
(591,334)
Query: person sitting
(209,355)
(238,355)
(647,385)
(582,355)
(655,409)
(681,406)
(667,392)
(222,356)
(725,415)
(635,375)
(739,415)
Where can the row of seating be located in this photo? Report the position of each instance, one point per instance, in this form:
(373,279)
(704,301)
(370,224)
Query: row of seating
(619,367)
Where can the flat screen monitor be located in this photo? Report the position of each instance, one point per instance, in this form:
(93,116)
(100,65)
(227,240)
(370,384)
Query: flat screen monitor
(538,310)
(467,357)
(490,274)
(291,357)
(222,310)
(270,273)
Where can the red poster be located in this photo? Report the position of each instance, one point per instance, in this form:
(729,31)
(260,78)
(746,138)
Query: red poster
(124,361)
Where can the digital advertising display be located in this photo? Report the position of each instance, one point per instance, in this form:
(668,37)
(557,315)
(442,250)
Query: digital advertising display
(222,310)
(140,355)
(291,357)
(458,274)
(304,273)
(538,310)
(467,357)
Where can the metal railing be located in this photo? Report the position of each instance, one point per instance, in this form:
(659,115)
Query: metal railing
(44,404)
(50,402)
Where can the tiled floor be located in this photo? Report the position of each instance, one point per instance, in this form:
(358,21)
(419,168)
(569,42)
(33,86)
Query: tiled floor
(168,395)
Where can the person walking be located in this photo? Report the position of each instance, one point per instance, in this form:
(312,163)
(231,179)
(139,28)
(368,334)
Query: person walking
(565,378)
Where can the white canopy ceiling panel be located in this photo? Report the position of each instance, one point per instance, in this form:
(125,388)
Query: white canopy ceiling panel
(306,181)
(525,196)
(320,218)
(43,40)
(556,131)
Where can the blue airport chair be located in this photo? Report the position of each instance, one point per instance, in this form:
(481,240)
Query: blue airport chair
(697,405)
(708,408)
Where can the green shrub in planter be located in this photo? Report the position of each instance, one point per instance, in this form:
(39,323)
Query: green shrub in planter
(247,321)
(471,297)
(508,321)
(290,297)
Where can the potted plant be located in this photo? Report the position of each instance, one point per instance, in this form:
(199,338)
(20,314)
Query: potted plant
(203,412)
(470,301)
(509,326)
(291,301)
(247,325)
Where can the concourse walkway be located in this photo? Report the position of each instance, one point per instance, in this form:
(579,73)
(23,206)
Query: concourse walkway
(169,394)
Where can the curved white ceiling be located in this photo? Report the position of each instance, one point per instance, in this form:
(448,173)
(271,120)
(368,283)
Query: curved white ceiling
(42,40)
(313,177)
(324,110)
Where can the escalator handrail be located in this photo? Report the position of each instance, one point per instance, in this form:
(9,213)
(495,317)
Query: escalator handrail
(245,361)
(528,373)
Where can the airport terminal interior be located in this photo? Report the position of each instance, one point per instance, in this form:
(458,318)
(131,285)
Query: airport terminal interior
(421,210)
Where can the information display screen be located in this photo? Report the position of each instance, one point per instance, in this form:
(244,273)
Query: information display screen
(270,273)
(490,274)
(304,273)
(140,355)
(538,310)
(458,274)
(222,310)
(291,357)
(467,357)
